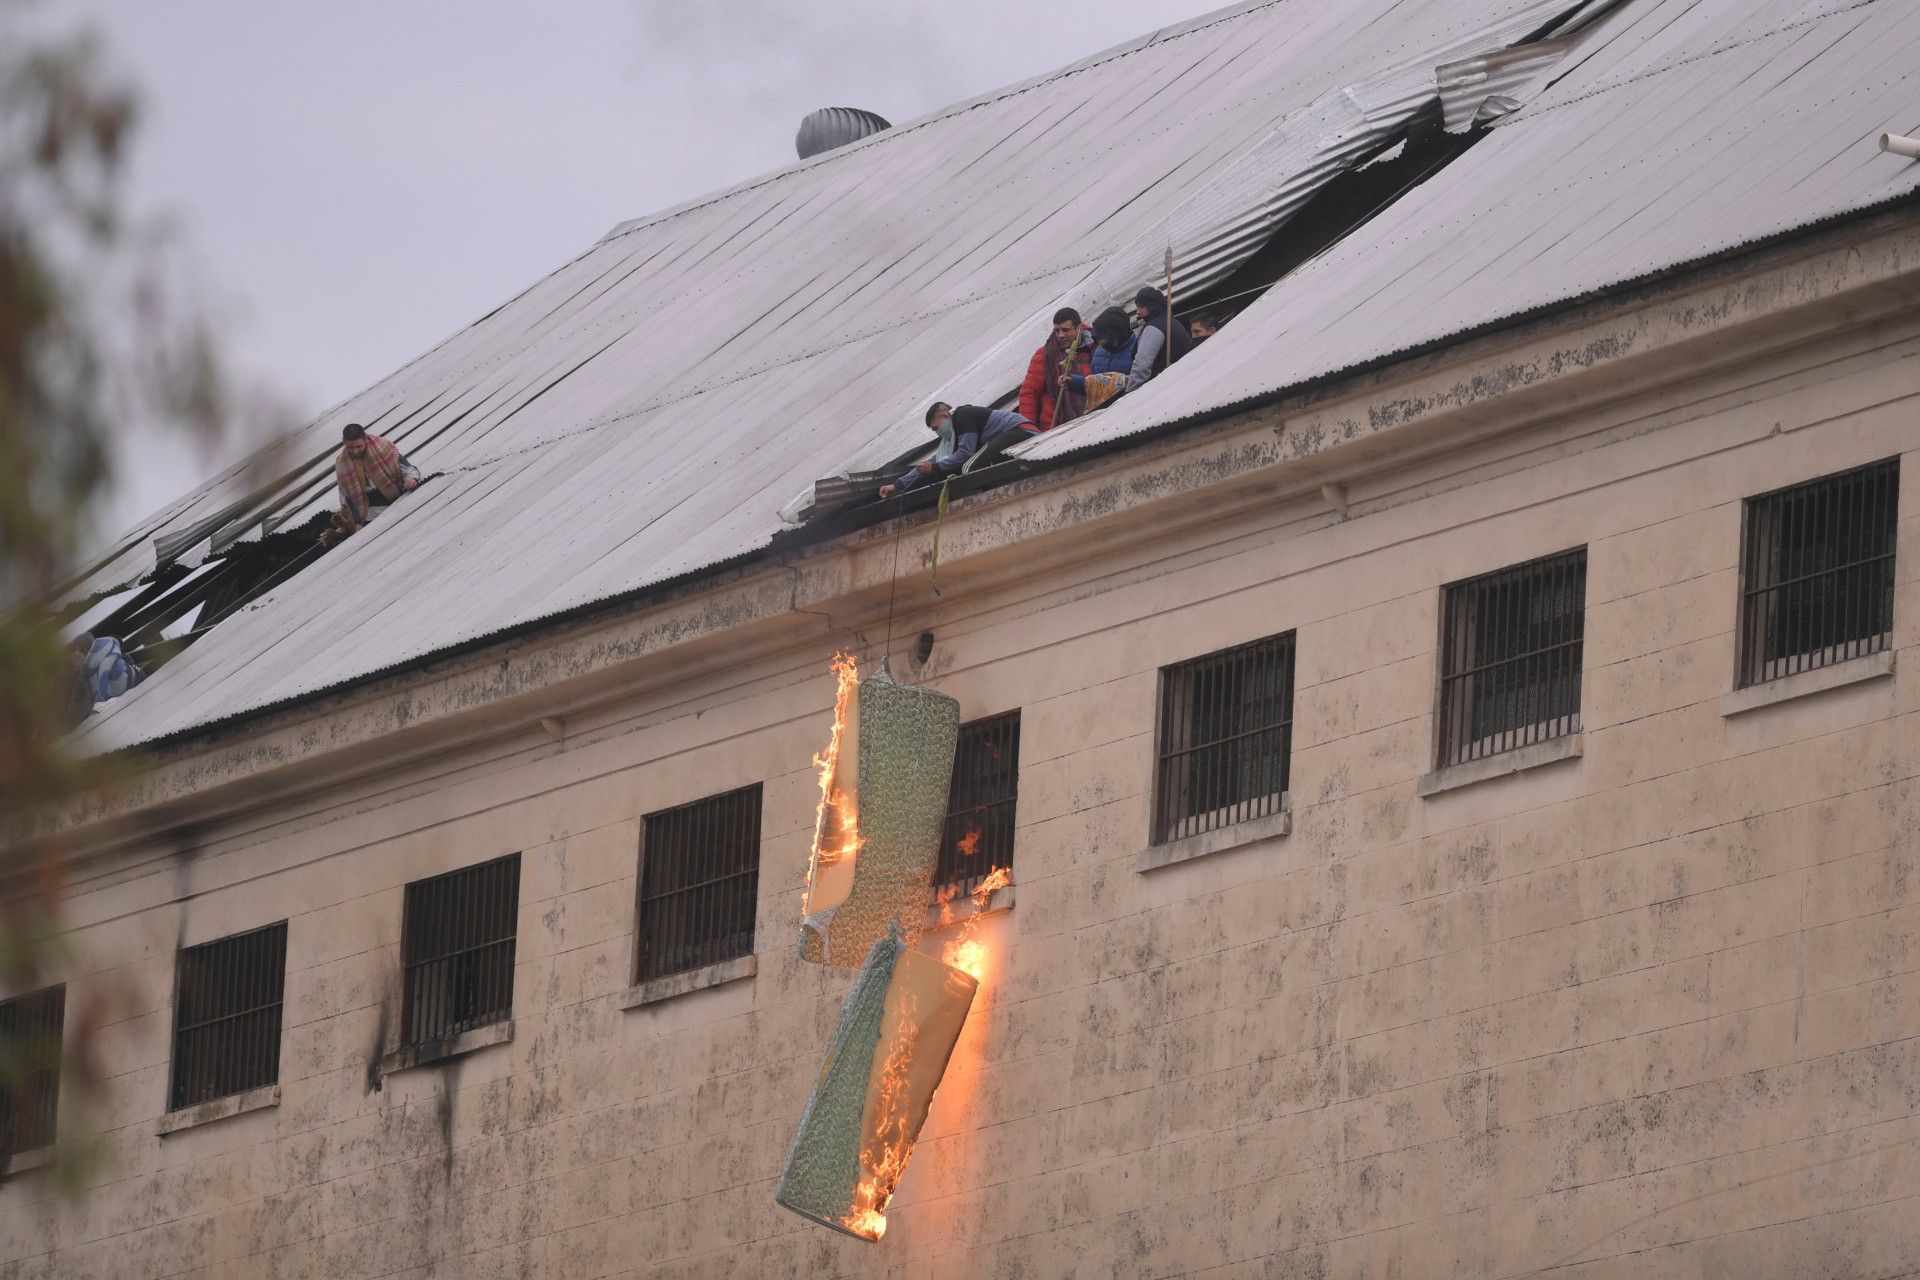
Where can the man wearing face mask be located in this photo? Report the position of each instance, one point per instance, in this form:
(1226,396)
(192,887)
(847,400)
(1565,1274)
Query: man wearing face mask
(963,432)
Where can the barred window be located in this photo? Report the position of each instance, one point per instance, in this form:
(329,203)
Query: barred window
(699,883)
(456,950)
(1816,563)
(226,1015)
(977,837)
(1510,657)
(30,1033)
(1225,739)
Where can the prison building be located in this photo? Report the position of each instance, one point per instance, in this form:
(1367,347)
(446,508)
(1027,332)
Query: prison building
(1449,733)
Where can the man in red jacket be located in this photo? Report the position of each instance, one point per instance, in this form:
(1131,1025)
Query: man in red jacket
(1042,402)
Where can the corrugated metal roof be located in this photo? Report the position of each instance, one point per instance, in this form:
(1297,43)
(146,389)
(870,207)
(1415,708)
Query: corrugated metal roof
(644,412)
(1680,130)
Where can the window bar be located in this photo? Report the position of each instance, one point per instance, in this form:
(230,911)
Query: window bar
(31,1026)
(981,802)
(699,873)
(1818,566)
(458,950)
(1511,646)
(1224,737)
(227,1015)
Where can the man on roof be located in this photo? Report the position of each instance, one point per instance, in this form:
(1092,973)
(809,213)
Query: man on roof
(1114,342)
(963,432)
(1162,340)
(1113,346)
(369,466)
(1067,350)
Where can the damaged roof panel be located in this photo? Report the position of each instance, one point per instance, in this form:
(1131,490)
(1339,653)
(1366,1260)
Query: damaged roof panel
(645,412)
(1624,167)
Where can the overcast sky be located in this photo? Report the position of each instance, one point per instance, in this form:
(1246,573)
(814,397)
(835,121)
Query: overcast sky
(358,179)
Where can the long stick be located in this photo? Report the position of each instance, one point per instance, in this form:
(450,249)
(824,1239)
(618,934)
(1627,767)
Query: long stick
(1169,304)
(1066,369)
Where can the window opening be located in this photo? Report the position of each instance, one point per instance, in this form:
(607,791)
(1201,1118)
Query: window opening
(977,837)
(699,883)
(31,1027)
(1510,657)
(1225,738)
(457,950)
(1348,202)
(1817,566)
(226,1017)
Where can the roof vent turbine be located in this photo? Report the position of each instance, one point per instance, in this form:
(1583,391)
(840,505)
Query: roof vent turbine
(831,127)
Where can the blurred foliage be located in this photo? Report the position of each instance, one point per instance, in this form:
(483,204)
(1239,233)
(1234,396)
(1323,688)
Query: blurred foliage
(94,337)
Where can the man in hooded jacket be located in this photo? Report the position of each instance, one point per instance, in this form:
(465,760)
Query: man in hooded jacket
(1162,340)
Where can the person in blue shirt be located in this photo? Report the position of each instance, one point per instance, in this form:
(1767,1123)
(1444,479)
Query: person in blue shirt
(963,432)
(103,672)
(1113,342)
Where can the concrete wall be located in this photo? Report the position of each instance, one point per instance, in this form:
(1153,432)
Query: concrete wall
(1650,1010)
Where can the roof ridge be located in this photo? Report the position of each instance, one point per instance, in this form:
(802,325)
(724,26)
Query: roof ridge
(1138,44)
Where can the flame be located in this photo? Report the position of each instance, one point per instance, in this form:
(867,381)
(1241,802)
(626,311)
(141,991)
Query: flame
(966,952)
(836,830)
(885,1157)
(969,844)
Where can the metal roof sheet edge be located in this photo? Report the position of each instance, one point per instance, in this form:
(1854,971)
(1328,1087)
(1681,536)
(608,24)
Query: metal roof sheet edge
(1513,320)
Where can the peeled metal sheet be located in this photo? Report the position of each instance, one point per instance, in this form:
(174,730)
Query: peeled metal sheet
(1479,90)
(885,1059)
(900,748)
(1241,206)
(1661,140)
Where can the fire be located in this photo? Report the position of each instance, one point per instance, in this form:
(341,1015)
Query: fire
(885,1154)
(886,1158)
(969,955)
(966,952)
(943,899)
(969,844)
(836,828)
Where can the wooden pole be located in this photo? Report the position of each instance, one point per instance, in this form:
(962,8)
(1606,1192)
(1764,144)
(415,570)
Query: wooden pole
(1066,368)
(1169,304)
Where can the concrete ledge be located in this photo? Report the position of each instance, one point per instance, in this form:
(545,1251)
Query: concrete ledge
(1874,666)
(234,1104)
(36,1158)
(1518,760)
(959,909)
(1187,848)
(421,1055)
(675,985)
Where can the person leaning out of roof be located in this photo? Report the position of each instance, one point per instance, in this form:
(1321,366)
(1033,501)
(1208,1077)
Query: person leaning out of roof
(1204,326)
(963,432)
(1113,346)
(1068,349)
(1162,338)
(367,465)
(101,672)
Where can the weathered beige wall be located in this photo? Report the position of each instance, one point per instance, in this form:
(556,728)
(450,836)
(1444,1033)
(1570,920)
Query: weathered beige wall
(1650,1011)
